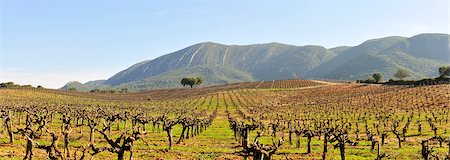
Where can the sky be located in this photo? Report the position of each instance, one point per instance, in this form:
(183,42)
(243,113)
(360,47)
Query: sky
(52,42)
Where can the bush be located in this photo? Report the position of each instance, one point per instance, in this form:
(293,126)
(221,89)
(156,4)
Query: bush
(427,81)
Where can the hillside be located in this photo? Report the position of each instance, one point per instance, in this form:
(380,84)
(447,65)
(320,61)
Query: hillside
(279,60)
(219,64)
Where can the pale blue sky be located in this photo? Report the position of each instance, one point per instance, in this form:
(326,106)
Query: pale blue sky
(51,42)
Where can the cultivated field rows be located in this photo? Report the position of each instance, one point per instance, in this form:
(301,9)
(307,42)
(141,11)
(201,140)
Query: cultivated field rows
(278,120)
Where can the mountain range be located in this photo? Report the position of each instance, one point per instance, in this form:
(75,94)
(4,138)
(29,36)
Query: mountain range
(217,63)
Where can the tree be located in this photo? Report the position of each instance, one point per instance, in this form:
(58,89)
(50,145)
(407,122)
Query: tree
(124,90)
(72,89)
(378,77)
(191,81)
(185,81)
(444,71)
(8,85)
(402,73)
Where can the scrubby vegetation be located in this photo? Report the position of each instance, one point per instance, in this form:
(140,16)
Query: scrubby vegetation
(123,90)
(428,81)
(12,85)
(444,72)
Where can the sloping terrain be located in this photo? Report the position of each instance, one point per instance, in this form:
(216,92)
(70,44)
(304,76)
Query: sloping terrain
(221,64)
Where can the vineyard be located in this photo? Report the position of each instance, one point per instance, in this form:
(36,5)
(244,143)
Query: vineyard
(286,119)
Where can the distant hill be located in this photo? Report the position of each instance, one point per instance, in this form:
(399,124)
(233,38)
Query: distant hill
(86,87)
(218,64)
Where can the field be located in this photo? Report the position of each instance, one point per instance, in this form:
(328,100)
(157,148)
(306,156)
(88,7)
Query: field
(289,119)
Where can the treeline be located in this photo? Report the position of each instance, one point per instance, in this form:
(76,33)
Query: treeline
(12,85)
(123,90)
(401,74)
(427,81)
